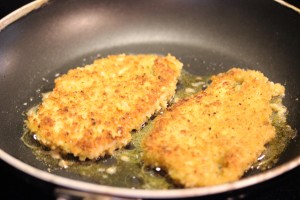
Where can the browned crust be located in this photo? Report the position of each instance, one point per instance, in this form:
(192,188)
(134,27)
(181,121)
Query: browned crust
(215,135)
(93,109)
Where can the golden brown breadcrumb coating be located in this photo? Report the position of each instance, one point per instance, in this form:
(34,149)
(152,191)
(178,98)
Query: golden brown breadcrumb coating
(93,109)
(214,136)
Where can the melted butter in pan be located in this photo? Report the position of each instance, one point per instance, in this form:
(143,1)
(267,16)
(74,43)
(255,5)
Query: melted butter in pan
(126,169)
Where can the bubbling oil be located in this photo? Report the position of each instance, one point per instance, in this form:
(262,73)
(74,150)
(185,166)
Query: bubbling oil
(126,169)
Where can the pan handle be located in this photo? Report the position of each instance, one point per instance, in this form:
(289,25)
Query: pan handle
(68,194)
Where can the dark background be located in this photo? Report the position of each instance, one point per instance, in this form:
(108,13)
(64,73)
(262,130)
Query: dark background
(7,6)
(17,185)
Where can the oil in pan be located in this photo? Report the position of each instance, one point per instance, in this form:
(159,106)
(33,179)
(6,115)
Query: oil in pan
(126,169)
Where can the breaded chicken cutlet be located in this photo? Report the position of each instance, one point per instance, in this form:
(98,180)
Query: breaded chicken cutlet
(93,109)
(214,136)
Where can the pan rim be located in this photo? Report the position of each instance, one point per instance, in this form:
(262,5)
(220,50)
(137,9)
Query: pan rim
(143,193)
(127,192)
(20,12)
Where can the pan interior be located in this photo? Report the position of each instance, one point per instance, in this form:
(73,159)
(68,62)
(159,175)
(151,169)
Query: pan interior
(42,45)
(118,170)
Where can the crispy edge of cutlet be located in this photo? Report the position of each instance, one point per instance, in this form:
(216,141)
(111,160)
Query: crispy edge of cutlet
(198,146)
(115,133)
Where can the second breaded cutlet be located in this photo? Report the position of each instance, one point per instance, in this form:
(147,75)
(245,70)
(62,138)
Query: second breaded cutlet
(214,136)
(93,109)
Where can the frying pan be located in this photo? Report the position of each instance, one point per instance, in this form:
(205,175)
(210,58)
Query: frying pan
(210,36)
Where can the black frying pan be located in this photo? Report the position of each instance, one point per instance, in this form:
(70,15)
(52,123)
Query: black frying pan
(209,35)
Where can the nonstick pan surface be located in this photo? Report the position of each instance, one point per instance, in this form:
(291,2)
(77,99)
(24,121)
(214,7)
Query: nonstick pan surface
(209,36)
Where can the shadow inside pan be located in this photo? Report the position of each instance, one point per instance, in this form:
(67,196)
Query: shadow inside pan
(198,61)
(207,36)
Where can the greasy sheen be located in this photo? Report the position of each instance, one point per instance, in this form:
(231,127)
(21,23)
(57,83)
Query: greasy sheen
(214,136)
(93,109)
